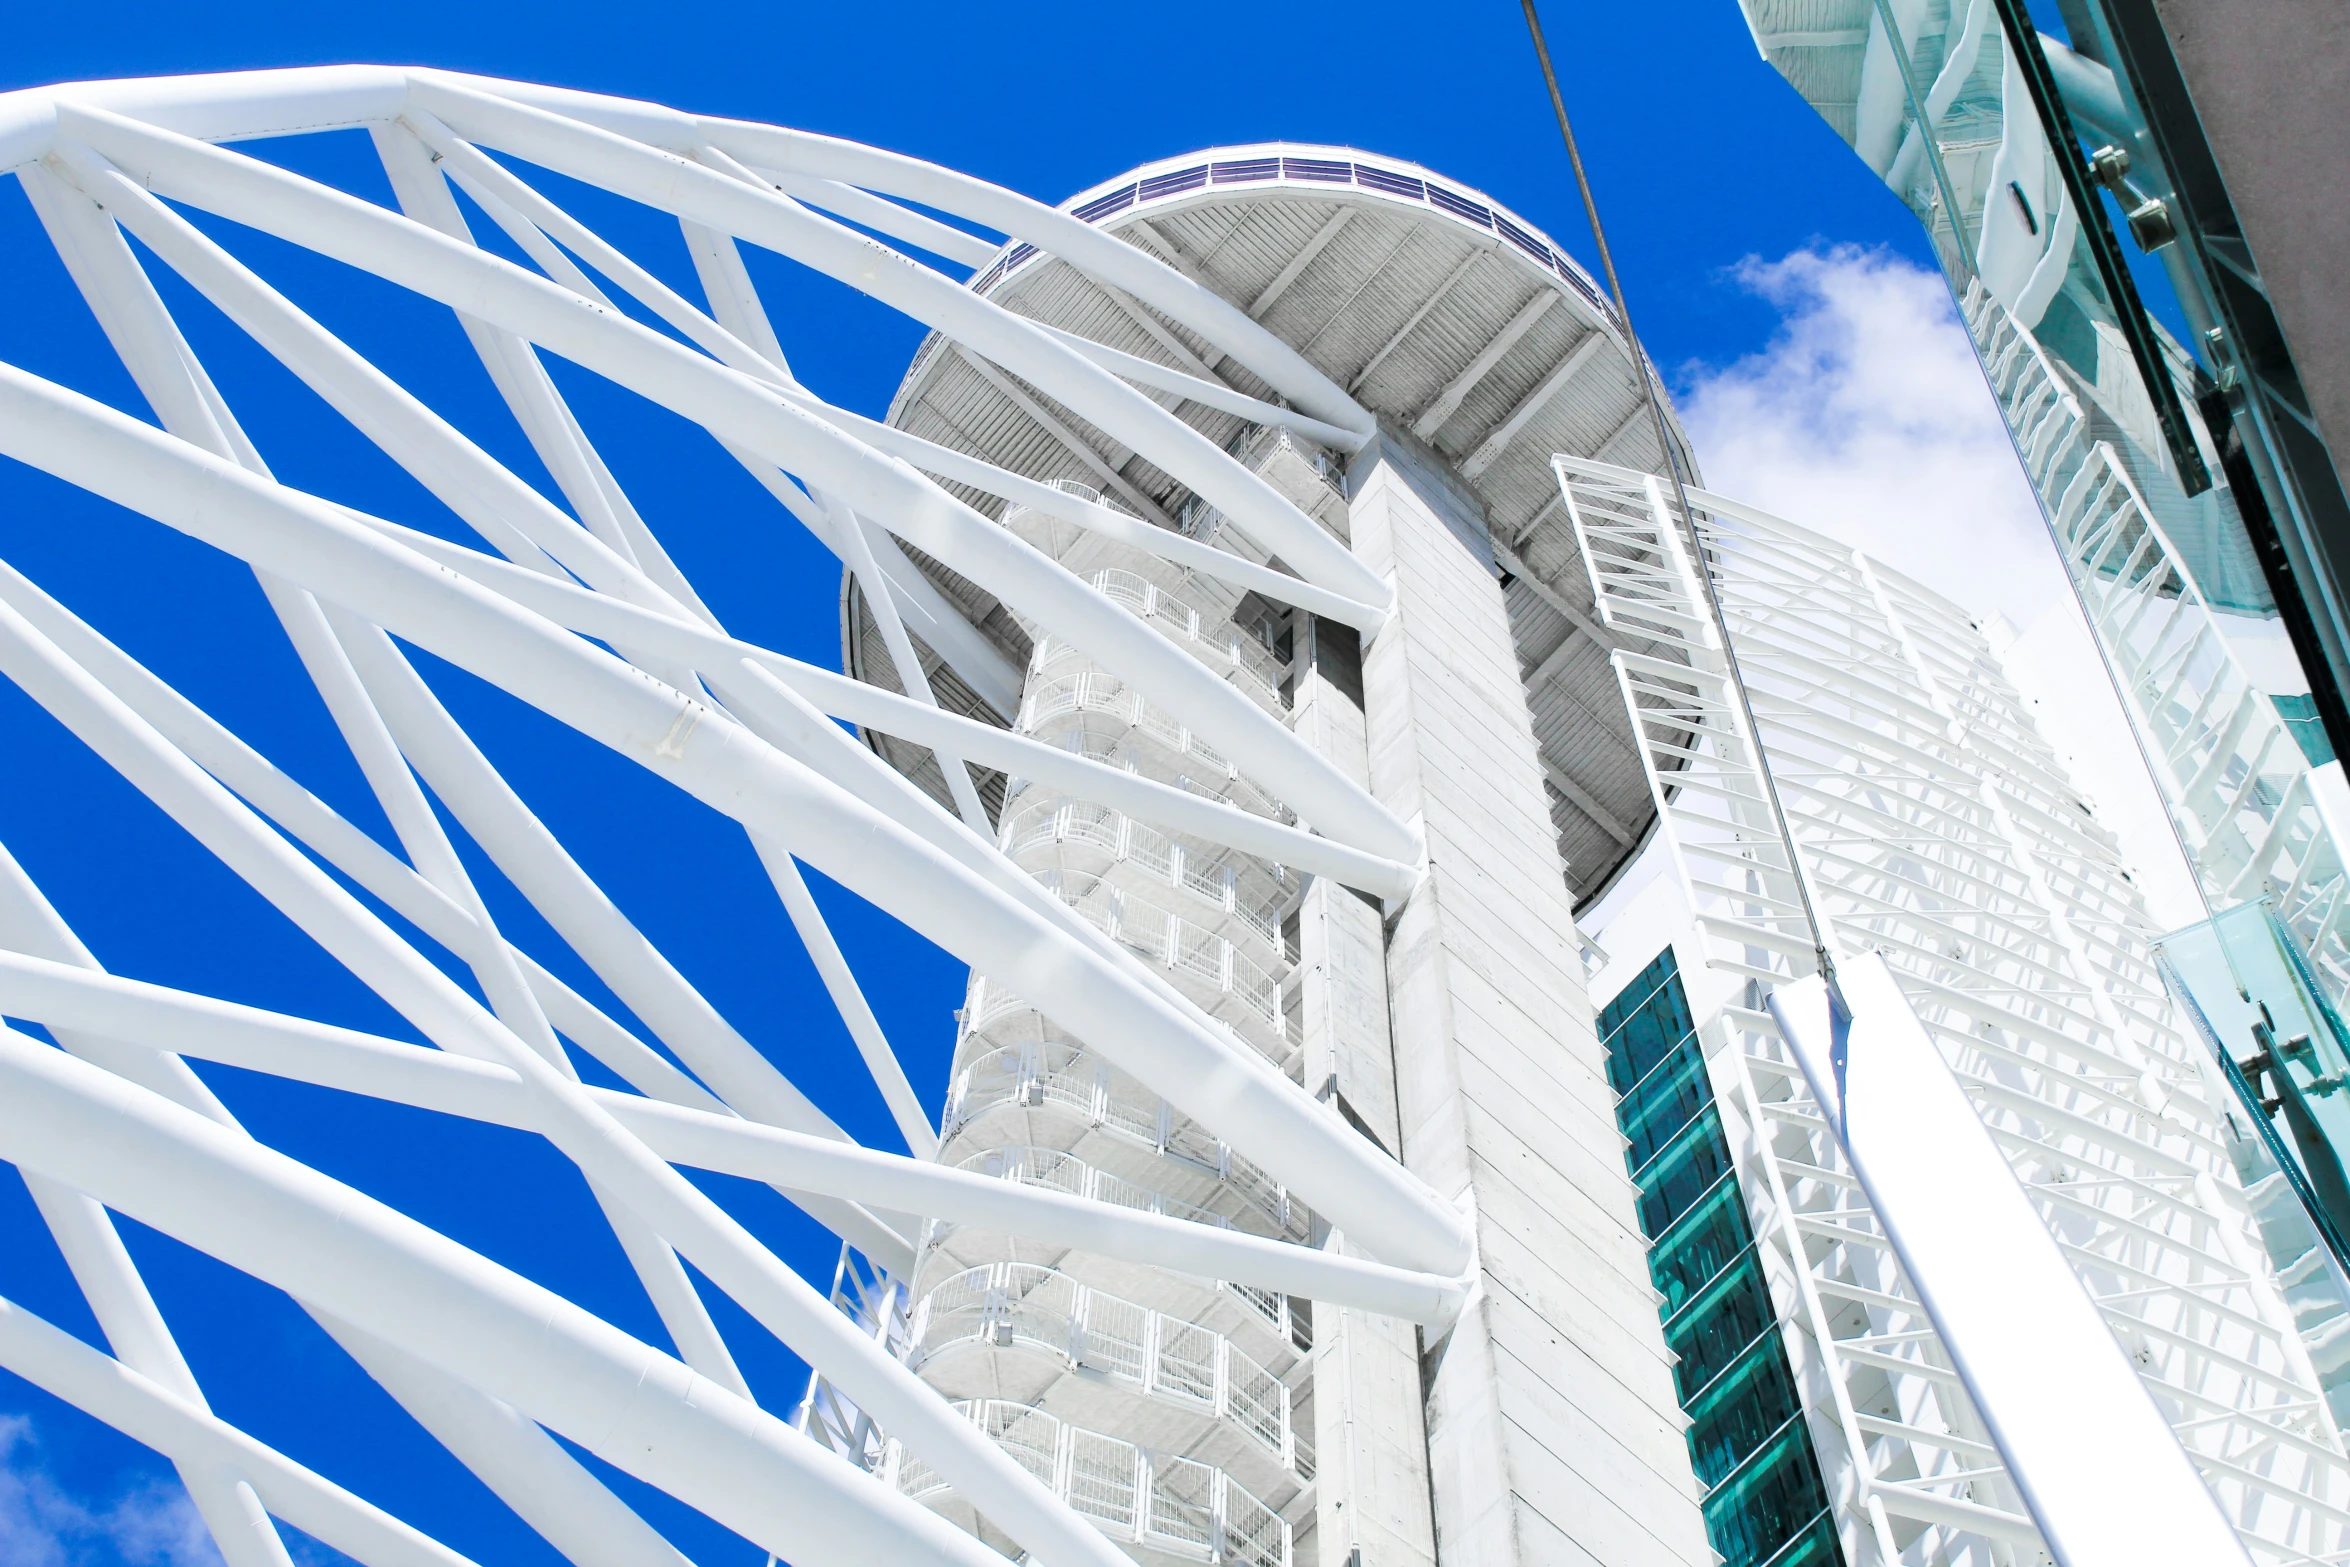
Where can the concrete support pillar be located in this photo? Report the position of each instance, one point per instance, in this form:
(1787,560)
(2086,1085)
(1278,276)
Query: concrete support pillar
(1553,1431)
(1372,1485)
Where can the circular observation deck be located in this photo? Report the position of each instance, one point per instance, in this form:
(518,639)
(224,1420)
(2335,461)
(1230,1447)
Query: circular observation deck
(1466,331)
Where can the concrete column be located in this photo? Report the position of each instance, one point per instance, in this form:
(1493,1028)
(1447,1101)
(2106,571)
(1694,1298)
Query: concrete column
(1553,1431)
(1372,1507)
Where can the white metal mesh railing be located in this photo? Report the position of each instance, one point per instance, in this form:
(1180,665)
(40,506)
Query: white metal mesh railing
(1138,751)
(1089,690)
(1231,655)
(1030,1306)
(1078,1084)
(1234,883)
(1181,946)
(1056,1170)
(1176,1505)
(880,1306)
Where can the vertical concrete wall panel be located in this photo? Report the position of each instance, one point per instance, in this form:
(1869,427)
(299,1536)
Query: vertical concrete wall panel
(1553,1432)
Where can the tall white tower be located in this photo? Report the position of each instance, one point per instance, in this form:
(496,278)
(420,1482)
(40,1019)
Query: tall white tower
(1447,1026)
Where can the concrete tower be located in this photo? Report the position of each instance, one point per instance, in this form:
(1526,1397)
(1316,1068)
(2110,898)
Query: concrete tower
(1450,1027)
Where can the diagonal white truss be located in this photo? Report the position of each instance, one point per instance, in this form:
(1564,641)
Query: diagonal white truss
(583,615)
(1935,826)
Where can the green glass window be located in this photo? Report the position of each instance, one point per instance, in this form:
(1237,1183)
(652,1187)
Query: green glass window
(1765,1504)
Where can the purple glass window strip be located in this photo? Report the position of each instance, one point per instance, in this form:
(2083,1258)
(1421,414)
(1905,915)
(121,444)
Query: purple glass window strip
(1325,169)
(1460,206)
(1102,206)
(1242,171)
(1574,275)
(1372,177)
(1168,184)
(1523,240)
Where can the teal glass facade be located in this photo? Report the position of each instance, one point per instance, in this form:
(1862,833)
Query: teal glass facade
(1765,1503)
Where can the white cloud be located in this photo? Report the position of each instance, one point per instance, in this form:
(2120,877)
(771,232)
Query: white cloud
(149,1523)
(1866,417)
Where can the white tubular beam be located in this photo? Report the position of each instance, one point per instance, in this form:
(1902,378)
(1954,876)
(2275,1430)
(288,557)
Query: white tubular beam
(639,1410)
(769,219)
(315,824)
(521,209)
(734,303)
(495,1448)
(28,923)
(538,865)
(1098,998)
(566,1115)
(1041,763)
(1208,394)
(62,1365)
(887,217)
(325,650)
(512,516)
(1101,255)
(949,633)
(1206,559)
(352,1062)
(857,551)
(547,1488)
(513,1457)
(316,904)
(515,369)
(127,1315)
(889,1075)
(1080,244)
(744,411)
(734,298)
(719,659)
(221,107)
(175,385)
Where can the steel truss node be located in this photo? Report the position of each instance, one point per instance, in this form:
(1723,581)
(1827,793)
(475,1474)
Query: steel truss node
(583,615)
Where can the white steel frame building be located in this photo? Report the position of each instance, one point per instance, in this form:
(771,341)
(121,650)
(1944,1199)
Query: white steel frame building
(1169,1130)
(1934,827)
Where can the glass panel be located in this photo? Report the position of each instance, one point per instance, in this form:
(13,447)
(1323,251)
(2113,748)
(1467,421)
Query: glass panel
(2281,1055)
(2101,307)
(1667,1099)
(1719,1324)
(1732,1415)
(1701,1243)
(1682,1172)
(1770,1510)
(1747,1441)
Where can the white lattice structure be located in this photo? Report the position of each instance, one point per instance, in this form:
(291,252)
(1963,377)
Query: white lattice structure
(1936,827)
(2244,795)
(1140,981)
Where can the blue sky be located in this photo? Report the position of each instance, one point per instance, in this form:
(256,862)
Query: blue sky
(1711,173)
